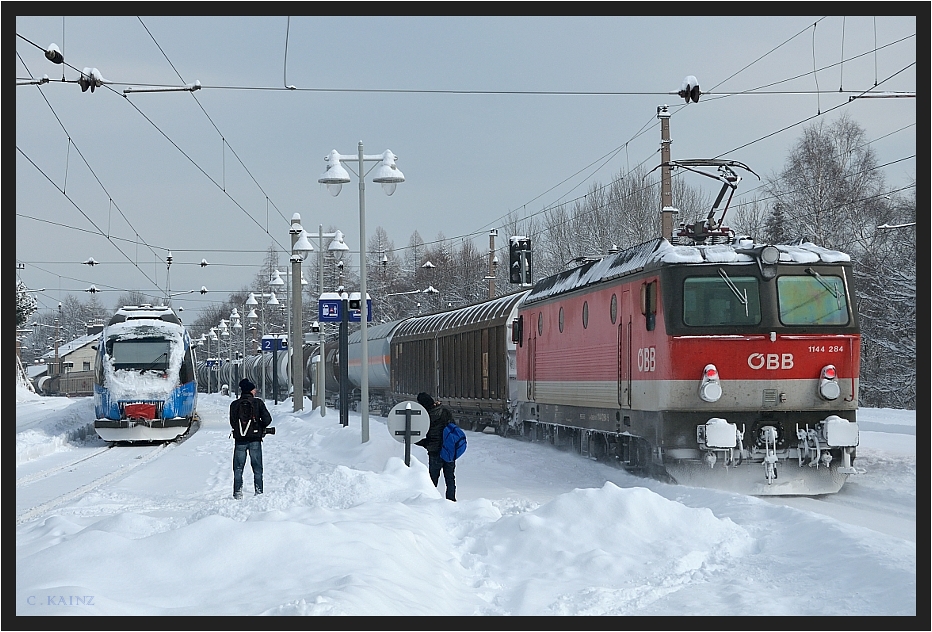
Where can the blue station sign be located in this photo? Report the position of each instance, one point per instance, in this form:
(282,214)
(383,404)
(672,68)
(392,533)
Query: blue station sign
(274,343)
(355,307)
(328,309)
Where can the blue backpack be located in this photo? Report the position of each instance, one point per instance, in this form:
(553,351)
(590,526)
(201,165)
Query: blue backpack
(454,442)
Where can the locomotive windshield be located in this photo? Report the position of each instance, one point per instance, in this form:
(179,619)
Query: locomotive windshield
(721,300)
(141,354)
(812,300)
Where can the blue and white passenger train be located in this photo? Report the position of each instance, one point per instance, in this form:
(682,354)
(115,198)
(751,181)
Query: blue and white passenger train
(145,386)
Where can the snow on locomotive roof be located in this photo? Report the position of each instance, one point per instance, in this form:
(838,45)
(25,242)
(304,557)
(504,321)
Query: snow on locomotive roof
(145,312)
(721,253)
(142,328)
(660,250)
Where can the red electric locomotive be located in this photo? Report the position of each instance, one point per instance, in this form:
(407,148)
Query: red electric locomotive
(730,365)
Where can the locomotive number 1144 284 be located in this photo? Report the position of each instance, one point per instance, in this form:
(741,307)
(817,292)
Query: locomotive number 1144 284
(826,348)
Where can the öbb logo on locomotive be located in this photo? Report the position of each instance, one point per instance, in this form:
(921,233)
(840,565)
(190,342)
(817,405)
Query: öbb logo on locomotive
(770,361)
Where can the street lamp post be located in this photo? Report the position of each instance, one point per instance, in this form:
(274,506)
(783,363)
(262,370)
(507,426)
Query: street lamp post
(224,335)
(293,298)
(388,175)
(337,247)
(211,361)
(273,301)
(237,359)
(300,247)
(297,339)
(252,302)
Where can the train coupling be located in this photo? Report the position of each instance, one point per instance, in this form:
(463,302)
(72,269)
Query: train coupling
(815,444)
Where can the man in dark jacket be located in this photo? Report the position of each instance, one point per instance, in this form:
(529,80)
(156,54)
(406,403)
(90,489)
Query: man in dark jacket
(249,418)
(440,416)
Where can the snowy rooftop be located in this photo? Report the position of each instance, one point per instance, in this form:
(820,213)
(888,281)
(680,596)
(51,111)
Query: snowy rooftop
(70,347)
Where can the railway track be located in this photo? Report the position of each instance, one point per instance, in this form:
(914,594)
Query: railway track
(25,481)
(88,473)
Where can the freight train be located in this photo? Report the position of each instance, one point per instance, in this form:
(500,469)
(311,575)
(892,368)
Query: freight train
(706,359)
(703,359)
(733,366)
(144,384)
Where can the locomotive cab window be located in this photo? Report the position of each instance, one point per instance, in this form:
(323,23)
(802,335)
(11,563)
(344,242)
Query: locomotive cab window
(649,304)
(186,374)
(812,300)
(723,300)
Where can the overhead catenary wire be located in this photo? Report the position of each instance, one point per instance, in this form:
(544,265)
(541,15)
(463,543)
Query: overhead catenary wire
(217,129)
(610,155)
(80,210)
(182,151)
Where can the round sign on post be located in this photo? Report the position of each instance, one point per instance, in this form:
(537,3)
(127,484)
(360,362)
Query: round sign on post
(408,423)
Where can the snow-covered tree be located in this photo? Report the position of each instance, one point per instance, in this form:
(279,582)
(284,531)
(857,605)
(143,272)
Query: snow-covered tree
(831,191)
(26,304)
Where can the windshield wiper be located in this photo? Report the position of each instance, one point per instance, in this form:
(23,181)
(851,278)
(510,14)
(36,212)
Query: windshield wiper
(164,354)
(742,297)
(828,286)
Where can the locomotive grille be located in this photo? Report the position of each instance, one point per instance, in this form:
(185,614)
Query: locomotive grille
(770,397)
(154,402)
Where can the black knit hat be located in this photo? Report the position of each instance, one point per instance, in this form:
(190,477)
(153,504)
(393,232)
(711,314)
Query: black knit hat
(425,400)
(245,386)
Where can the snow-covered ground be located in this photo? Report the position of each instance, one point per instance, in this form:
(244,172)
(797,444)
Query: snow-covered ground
(347,528)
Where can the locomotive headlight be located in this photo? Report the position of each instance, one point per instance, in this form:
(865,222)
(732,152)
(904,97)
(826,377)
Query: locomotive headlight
(769,255)
(710,390)
(828,386)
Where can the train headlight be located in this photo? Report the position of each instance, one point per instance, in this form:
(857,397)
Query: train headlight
(710,390)
(828,386)
(769,255)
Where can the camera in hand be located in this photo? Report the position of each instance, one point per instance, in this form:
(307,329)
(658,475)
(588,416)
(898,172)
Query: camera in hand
(268,431)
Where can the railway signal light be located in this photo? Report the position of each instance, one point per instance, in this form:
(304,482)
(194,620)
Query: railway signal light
(519,260)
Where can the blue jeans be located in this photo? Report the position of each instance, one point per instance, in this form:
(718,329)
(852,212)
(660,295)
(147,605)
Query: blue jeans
(239,464)
(434,466)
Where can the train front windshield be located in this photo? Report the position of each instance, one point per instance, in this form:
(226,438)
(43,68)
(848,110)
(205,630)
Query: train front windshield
(812,300)
(140,354)
(721,300)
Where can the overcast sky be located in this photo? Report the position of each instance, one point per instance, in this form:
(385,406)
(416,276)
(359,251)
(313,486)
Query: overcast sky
(488,116)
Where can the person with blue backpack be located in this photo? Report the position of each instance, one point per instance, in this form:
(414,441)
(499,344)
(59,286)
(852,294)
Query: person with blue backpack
(445,442)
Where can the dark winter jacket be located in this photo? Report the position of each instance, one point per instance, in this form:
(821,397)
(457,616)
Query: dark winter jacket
(440,416)
(254,430)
